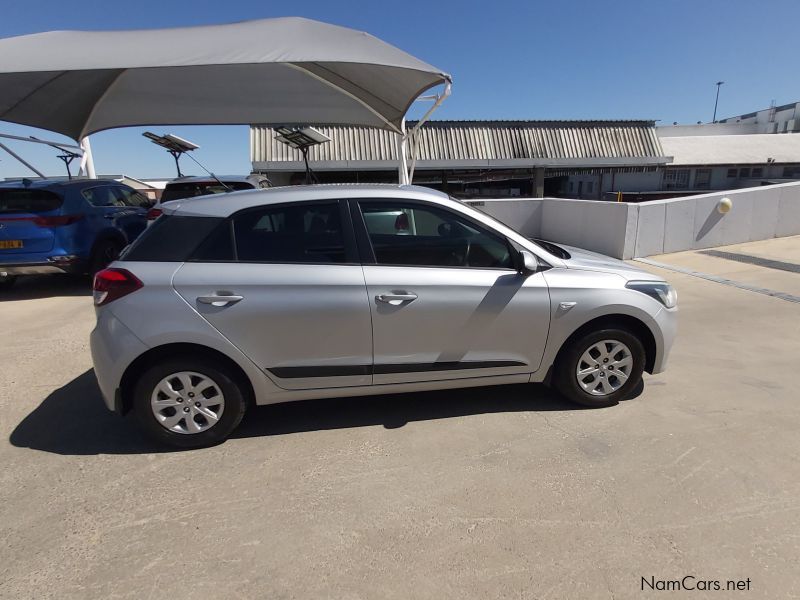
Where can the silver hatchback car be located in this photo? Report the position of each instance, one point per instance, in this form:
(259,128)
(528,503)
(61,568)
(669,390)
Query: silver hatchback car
(346,290)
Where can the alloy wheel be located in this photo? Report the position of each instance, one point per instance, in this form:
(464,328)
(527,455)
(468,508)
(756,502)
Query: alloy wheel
(187,402)
(604,367)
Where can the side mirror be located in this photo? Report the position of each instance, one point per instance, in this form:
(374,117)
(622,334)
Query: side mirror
(527,262)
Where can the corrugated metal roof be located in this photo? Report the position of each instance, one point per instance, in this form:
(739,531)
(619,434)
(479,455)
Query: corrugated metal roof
(475,140)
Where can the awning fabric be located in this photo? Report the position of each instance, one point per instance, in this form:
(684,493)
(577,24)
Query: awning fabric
(283,71)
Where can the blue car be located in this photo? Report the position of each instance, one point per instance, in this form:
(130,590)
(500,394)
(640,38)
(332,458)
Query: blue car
(78,226)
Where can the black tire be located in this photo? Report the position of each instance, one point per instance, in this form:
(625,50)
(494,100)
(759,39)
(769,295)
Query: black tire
(232,412)
(565,379)
(6,283)
(103,254)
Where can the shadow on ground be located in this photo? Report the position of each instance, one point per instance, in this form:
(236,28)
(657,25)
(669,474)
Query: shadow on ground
(47,286)
(73,420)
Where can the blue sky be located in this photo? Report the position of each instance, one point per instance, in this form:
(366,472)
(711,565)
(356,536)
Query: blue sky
(655,59)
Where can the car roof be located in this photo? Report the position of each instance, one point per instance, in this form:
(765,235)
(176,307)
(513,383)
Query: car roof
(55,183)
(222,205)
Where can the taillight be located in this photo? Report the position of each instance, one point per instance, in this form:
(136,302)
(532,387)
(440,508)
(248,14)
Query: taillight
(57,221)
(112,284)
(154,213)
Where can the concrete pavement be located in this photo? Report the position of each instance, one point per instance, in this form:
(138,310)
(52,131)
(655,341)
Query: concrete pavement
(503,492)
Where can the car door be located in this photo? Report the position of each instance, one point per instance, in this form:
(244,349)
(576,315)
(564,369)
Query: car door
(446,299)
(283,283)
(131,214)
(108,209)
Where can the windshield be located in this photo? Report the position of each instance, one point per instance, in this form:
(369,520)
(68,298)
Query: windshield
(189,189)
(28,201)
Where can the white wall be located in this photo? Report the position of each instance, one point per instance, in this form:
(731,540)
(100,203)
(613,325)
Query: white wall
(693,222)
(625,230)
(605,227)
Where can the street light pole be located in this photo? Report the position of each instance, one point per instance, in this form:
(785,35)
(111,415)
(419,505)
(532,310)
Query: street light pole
(714,120)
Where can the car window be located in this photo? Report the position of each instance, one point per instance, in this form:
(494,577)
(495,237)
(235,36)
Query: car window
(130,197)
(172,238)
(102,195)
(28,201)
(417,235)
(295,233)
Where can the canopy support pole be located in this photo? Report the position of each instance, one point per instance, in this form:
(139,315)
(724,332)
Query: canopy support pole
(413,135)
(87,160)
(402,170)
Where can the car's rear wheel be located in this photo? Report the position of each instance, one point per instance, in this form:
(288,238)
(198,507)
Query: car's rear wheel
(7,282)
(188,403)
(103,254)
(601,368)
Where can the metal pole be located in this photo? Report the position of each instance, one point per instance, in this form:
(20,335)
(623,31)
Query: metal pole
(23,161)
(402,168)
(87,161)
(714,119)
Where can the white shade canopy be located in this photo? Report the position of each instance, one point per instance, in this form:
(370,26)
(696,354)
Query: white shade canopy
(285,71)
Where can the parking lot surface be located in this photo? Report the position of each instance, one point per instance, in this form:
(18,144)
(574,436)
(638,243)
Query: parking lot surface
(504,492)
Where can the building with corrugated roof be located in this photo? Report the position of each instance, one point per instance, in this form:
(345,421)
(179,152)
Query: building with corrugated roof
(473,159)
(575,159)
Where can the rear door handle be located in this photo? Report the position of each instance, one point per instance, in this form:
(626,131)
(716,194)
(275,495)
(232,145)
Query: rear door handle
(396,299)
(220,299)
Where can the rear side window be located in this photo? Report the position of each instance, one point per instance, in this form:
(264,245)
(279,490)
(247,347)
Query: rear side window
(295,233)
(171,238)
(28,201)
(130,197)
(102,195)
(178,191)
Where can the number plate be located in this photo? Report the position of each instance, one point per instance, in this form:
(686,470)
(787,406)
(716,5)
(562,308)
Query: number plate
(8,244)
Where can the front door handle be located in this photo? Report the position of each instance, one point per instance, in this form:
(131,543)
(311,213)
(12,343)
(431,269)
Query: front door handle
(220,299)
(396,299)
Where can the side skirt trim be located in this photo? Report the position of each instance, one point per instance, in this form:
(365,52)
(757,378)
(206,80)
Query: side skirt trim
(360,370)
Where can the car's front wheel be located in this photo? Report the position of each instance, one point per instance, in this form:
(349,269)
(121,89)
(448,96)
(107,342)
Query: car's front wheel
(188,403)
(601,368)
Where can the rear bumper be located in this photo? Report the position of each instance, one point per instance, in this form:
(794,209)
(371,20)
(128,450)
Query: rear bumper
(46,267)
(113,347)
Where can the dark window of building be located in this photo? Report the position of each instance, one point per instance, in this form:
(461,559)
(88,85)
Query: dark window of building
(296,233)
(410,234)
(791,171)
(758,171)
(744,172)
(676,179)
(702,179)
(732,172)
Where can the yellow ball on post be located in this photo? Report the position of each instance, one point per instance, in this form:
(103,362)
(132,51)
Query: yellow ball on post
(724,205)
